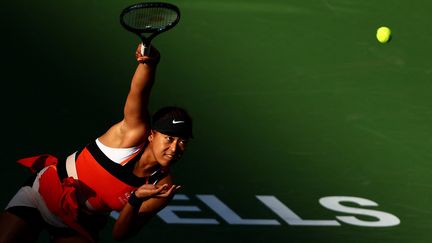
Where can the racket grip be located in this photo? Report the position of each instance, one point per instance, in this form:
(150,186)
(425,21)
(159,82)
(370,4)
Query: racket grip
(145,50)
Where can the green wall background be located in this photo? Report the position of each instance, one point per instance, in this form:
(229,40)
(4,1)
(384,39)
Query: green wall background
(294,99)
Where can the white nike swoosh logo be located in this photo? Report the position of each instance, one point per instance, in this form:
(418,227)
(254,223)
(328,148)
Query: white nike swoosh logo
(177,122)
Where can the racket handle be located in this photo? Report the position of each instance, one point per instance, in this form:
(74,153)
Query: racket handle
(145,50)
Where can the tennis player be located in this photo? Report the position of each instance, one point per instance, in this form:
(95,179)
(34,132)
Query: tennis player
(126,169)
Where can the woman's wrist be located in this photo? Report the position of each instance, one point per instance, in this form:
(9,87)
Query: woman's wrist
(134,201)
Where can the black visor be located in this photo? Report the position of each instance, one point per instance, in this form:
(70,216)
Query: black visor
(173,121)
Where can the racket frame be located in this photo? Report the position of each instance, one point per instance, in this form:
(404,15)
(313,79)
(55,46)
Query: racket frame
(145,47)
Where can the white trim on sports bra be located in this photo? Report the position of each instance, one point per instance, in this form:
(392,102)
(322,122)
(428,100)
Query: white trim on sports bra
(118,155)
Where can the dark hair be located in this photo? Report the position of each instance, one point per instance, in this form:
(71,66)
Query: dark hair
(173,121)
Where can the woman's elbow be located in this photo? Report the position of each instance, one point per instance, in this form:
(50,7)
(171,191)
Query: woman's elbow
(121,236)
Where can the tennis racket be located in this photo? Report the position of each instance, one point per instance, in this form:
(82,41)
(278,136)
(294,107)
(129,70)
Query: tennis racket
(147,20)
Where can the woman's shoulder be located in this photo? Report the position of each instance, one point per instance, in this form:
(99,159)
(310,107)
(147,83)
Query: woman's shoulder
(166,178)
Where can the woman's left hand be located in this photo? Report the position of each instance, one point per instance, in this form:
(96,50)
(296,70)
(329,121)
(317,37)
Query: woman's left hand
(147,191)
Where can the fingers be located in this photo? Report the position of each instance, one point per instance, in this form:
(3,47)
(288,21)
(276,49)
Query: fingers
(170,192)
(161,188)
(163,191)
(148,190)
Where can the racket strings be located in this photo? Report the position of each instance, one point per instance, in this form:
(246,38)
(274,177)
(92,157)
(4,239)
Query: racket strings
(150,19)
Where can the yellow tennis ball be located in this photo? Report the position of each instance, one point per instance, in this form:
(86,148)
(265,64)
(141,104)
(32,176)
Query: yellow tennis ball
(383,34)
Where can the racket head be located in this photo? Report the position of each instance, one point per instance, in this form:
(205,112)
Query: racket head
(150,17)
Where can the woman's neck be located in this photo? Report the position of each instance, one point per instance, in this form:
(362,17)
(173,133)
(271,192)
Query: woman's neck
(147,164)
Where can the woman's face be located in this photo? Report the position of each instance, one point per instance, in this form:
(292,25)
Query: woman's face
(166,149)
